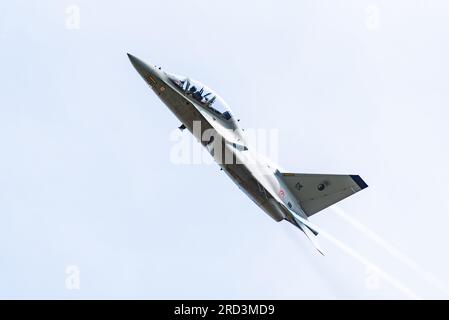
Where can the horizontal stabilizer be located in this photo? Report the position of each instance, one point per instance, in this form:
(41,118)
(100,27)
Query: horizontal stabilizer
(308,230)
(312,238)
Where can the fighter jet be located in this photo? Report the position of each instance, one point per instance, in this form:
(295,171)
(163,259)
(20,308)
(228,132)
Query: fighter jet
(282,195)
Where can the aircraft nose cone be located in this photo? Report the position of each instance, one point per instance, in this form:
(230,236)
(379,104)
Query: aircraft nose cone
(137,63)
(148,73)
(132,58)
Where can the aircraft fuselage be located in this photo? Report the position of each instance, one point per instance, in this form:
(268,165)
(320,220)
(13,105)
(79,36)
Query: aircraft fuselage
(258,180)
(283,196)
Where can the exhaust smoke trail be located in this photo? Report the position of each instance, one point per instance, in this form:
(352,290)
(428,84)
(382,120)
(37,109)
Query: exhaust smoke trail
(363,260)
(425,275)
(380,272)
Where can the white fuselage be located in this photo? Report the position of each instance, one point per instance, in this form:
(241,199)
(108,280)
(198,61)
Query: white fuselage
(251,172)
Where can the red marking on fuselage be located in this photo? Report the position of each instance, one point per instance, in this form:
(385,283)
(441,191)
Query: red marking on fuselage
(282,193)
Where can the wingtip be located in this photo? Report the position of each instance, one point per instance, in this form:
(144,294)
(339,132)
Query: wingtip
(359,181)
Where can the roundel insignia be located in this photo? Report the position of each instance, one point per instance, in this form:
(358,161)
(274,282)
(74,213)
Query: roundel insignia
(282,193)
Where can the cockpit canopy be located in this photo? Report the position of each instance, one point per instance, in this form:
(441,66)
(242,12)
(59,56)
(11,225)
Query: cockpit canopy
(202,94)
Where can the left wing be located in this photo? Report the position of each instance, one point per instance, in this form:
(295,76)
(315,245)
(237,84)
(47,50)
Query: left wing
(315,192)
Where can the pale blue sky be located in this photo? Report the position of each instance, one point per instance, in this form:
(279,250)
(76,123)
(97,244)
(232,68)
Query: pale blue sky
(85,175)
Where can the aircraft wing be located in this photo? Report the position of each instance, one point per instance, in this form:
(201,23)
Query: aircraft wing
(315,192)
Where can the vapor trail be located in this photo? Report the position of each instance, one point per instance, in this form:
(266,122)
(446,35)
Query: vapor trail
(427,276)
(360,258)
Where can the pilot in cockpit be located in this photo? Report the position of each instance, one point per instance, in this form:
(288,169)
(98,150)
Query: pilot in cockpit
(192,90)
(205,96)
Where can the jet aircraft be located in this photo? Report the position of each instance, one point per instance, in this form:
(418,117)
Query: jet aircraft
(294,197)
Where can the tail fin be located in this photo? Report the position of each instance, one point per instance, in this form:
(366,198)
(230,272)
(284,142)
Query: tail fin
(315,192)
